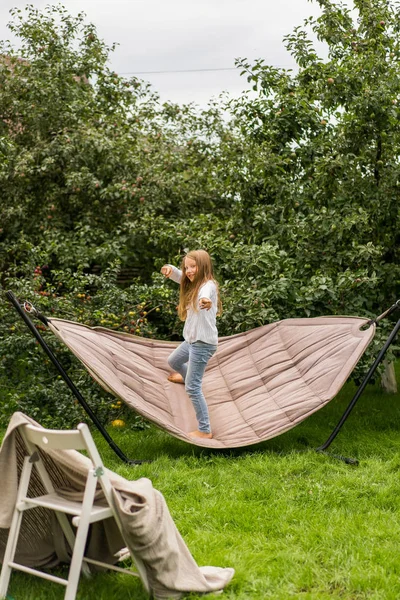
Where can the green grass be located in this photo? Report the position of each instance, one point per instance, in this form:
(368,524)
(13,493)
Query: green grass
(292,522)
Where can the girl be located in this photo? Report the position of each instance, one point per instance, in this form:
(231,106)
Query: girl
(199,305)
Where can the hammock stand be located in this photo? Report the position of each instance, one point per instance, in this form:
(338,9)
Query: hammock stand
(31,311)
(366,379)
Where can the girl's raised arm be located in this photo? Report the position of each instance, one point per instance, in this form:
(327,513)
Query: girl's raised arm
(166,270)
(172,273)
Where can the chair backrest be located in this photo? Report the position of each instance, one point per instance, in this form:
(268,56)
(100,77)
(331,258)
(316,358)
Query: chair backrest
(75,439)
(52,439)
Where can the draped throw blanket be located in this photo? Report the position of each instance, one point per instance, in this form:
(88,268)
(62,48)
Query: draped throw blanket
(258,385)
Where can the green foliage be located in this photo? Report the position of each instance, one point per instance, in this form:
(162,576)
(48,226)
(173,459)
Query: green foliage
(323,177)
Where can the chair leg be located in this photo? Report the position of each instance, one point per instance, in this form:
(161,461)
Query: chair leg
(81,537)
(14,529)
(61,517)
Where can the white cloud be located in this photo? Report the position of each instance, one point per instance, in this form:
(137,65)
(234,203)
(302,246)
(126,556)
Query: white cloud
(155,35)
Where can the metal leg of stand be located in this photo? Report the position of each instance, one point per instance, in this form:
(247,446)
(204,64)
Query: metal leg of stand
(361,388)
(70,383)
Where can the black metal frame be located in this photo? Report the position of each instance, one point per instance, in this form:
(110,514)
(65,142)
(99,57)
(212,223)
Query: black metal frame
(67,379)
(361,388)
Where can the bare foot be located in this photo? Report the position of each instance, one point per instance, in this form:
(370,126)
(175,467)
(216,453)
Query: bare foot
(201,434)
(175,378)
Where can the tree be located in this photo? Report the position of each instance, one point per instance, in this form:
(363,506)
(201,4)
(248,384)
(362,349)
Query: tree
(293,192)
(321,176)
(89,160)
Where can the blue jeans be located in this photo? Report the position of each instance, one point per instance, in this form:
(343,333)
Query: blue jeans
(190,360)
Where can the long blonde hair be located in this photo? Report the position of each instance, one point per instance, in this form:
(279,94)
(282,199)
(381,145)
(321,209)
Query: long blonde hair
(189,290)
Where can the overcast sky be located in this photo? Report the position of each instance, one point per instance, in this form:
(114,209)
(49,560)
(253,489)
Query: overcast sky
(189,36)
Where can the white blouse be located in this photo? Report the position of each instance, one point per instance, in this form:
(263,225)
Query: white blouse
(201,324)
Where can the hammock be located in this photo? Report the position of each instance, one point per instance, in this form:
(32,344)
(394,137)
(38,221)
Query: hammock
(258,385)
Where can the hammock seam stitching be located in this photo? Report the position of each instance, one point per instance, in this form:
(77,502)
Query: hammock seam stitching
(230,392)
(300,377)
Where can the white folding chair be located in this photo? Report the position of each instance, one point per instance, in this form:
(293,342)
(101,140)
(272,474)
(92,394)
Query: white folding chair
(83,513)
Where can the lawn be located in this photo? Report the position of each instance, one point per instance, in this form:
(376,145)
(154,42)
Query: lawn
(293,523)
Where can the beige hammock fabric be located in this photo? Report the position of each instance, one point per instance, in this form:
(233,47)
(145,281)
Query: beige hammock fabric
(258,384)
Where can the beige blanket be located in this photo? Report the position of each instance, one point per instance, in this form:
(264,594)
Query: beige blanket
(149,530)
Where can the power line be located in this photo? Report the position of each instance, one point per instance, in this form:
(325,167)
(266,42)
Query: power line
(178,71)
(193,70)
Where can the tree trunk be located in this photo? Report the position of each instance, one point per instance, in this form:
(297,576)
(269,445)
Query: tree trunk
(388,381)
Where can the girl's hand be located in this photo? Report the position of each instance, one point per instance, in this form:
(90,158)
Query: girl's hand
(205,303)
(166,270)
